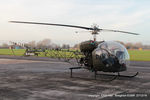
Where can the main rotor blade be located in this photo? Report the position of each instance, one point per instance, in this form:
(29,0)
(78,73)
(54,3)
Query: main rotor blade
(118,31)
(74,26)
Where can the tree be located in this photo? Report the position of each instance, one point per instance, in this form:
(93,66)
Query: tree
(44,43)
(138,45)
(32,44)
(65,46)
(4,45)
(76,46)
(129,45)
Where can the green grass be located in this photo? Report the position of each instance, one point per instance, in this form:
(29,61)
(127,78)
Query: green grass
(17,52)
(139,55)
(51,53)
(135,55)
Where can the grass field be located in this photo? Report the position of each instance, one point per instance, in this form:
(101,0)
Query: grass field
(139,55)
(17,52)
(135,55)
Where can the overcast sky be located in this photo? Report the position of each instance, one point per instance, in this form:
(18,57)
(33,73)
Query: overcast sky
(126,15)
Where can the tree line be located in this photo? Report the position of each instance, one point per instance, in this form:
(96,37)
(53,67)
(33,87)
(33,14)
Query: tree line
(128,45)
(137,45)
(47,43)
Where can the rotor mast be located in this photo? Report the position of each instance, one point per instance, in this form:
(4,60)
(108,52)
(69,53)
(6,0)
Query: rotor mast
(95,31)
(94,37)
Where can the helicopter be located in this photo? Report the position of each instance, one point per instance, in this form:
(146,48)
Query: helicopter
(99,56)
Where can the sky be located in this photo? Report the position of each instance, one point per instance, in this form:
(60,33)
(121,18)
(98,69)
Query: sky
(126,15)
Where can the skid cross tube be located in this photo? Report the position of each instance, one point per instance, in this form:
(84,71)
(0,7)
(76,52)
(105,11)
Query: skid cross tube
(71,69)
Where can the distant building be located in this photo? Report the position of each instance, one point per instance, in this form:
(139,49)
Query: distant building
(15,47)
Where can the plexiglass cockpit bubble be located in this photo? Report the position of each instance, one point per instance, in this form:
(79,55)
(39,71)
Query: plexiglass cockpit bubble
(113,48)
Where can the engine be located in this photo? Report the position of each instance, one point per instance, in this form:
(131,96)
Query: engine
(87,48)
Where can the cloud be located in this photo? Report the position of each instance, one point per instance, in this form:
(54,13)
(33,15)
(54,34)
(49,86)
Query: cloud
(110,14)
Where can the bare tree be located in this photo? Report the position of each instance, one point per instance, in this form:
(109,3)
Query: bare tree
(4,45)
(76,46)
(32,44)
(138,45)
(129,45)
(44,43)
(65,46)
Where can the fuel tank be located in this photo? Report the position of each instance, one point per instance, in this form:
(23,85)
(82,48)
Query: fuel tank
(88,46)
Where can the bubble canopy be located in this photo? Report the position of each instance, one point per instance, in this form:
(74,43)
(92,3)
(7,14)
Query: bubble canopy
(113,48)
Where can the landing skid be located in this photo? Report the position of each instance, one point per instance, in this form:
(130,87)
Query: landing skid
(129,76)
(113,77)
(118,75)
(95,74)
